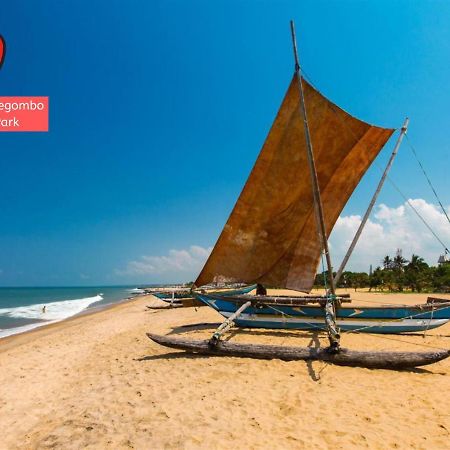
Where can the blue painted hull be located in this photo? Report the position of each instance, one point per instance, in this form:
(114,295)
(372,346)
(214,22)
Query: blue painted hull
(387,319)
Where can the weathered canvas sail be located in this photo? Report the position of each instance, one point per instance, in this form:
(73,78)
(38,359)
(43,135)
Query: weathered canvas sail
(271,235)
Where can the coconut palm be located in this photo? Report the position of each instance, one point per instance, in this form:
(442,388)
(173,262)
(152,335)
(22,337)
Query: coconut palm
(387,262)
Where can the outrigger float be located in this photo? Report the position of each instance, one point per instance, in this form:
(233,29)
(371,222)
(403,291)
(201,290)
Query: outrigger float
(278,231)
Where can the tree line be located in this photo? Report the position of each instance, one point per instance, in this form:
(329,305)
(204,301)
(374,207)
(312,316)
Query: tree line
(396,274)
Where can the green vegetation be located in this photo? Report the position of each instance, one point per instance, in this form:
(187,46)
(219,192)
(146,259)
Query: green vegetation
(397,275)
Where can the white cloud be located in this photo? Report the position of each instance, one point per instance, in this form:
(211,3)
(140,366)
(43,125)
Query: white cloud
(175,263)
(389,229)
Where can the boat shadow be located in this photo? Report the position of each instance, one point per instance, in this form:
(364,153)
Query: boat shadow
(315,376)
(174,355)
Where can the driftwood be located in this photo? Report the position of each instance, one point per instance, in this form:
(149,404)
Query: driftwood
(345,357)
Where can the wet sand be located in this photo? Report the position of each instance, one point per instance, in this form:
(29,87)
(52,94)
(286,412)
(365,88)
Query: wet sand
(96,381)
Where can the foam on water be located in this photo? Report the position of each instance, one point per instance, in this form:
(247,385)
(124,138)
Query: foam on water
(54,312)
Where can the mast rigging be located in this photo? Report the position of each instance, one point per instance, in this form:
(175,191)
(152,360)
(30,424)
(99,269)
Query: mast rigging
(330,307)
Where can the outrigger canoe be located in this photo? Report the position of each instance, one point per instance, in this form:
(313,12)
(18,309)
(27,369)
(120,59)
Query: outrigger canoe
(298,313)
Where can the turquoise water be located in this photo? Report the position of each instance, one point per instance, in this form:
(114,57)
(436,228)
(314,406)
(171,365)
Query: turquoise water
(22,309)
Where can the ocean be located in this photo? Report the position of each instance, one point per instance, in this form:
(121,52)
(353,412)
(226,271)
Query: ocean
(22,309)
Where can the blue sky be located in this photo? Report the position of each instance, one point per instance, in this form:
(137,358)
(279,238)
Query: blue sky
(159,109)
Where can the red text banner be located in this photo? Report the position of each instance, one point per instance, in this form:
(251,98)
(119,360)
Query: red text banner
(23,114)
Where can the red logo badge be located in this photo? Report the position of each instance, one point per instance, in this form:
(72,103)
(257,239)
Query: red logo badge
(2,50)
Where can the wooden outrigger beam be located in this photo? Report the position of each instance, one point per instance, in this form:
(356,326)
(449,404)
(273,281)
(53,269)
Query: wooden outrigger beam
(433,300)
(330,317)
(227,324)
(345,357)
(403,131)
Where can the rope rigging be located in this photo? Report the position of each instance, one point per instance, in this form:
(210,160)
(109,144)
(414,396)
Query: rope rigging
(413,150)
(325,284)
(418,214)
(392,182)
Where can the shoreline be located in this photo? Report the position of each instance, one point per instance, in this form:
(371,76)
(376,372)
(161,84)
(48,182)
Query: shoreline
(53,325)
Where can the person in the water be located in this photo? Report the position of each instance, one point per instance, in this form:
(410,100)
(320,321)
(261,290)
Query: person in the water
(43,309)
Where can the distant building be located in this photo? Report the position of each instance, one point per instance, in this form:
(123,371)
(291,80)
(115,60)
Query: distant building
(443,259)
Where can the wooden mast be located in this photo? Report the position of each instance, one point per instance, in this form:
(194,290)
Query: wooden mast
(330,311)
(312,167)
(372,202)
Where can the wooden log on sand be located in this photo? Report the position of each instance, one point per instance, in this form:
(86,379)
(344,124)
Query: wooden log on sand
(345,357)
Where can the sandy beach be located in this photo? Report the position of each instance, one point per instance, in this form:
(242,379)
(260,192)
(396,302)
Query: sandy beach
(96,381)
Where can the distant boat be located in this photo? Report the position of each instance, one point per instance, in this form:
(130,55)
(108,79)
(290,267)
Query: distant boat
(186,297)
(278,231)
(172,296)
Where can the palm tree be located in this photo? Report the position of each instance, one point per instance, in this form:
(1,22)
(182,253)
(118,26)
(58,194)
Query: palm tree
(399,262)
(387,262)
(417,273)
(417,263)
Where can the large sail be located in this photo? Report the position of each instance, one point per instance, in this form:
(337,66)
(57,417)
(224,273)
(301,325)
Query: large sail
(271,235)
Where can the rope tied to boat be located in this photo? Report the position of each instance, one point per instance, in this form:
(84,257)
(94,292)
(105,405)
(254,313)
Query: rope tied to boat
(313,325)
(429,323)
(379,324)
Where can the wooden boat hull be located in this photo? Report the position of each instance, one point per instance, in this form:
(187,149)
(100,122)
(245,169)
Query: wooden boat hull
(346,357)
(179,297)
(167,296)
(265,313)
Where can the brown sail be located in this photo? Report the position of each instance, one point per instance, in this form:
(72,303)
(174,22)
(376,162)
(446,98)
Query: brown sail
(271,235)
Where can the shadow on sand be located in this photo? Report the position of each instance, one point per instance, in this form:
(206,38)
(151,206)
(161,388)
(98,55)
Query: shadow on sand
(177,355)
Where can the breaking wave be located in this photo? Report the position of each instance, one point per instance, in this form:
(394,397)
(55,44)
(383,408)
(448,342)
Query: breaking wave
(54,312)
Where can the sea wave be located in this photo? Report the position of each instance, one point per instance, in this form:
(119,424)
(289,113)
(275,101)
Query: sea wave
(54,311)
